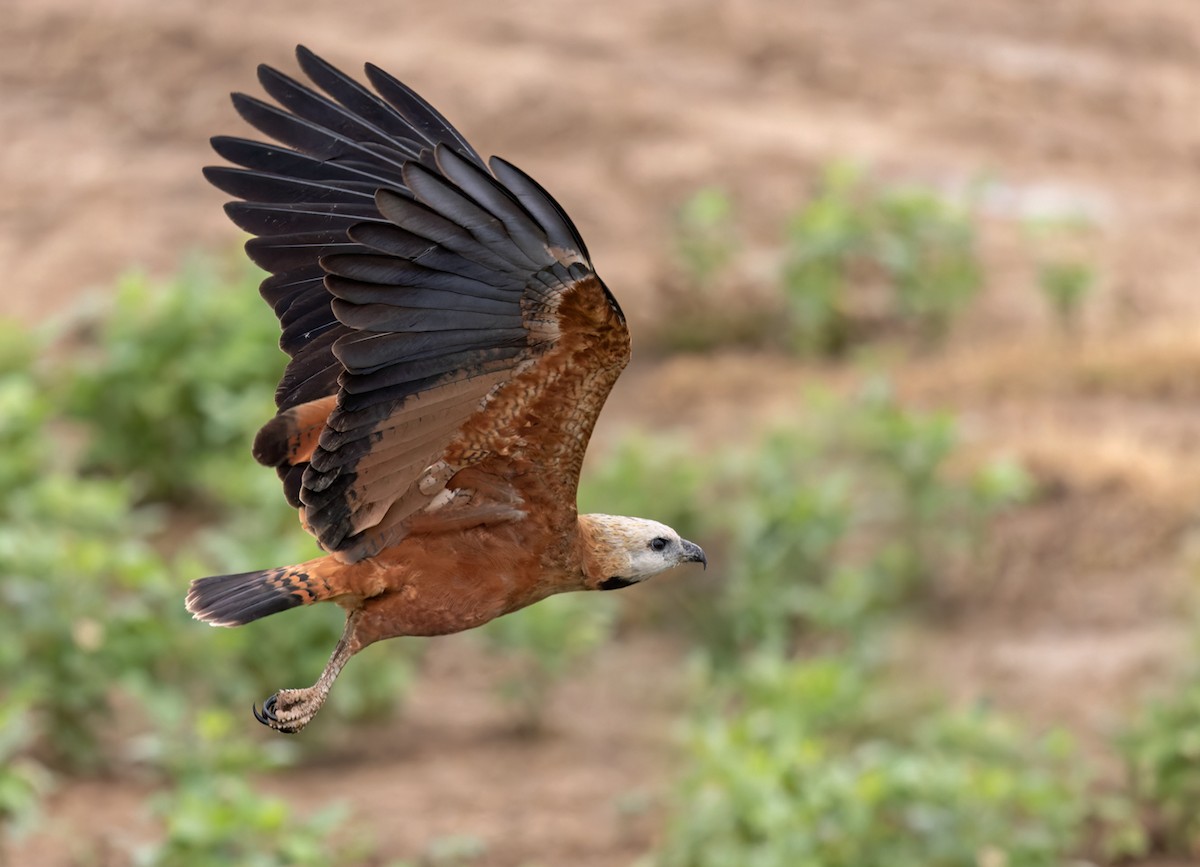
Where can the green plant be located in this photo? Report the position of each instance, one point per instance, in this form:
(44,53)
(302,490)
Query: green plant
(221,819)
(172,382)
(212,814)
(915,513)
(838,524)
(1162,754)
(1066,285)
(457,850)
(705,235)
(545,641)
(803,764)
(789,522)
(926,245)
(1064,275)
(23,781)
(707,244)
(826,239)
(70,573)
(72,557)
(25,414)
(857,252)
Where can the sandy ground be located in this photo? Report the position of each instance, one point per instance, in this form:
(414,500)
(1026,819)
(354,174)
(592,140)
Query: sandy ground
(622,109)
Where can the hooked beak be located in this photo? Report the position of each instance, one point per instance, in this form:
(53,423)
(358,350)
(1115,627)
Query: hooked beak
(693,553)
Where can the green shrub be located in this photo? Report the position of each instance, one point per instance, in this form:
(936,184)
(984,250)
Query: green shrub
(698,290)
(23,781)
(705,236)
(919,513)
(74,564)
(1064,275)
(790,523)
(72,571)
(1162,754)
(826,240)
(212,814)
(220,819)
(800,763)
(1066,285)
(841,523)
(455,850)
(858,253)
(26,409)
(926,246)
(172,382)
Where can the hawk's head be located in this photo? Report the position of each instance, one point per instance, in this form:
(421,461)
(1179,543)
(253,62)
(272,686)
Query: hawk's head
(621,551)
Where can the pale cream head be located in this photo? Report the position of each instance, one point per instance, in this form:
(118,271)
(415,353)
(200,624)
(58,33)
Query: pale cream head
(620,551)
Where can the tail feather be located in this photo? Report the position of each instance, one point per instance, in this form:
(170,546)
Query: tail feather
(233,600)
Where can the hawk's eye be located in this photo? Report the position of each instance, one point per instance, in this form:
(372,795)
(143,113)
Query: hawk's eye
(658,543)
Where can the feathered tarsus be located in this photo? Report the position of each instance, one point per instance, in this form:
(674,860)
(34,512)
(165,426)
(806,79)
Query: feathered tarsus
(450,349)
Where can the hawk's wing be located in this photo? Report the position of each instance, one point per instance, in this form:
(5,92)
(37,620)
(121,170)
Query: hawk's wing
(450,344)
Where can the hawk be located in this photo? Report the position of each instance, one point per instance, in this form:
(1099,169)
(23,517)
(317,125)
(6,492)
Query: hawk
(451,346)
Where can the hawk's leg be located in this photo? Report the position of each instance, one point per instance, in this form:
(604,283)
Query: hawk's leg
(290,710)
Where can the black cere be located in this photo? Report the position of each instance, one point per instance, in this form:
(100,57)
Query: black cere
(615,583)
(658,543)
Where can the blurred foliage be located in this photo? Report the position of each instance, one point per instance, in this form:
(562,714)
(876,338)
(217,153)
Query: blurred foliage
(1066,285)
(457,850)
(859,259)
(926,247)
(706,235)
(1162,752)
(546,641)
(220,819)
(857,251)
(831,527)
(707,247)
(213,816)
(23,781)
(922,513)
(825,238)
(1065,274)
(171,379)
(801,763)
(73,558)
(72,586)
(788,561)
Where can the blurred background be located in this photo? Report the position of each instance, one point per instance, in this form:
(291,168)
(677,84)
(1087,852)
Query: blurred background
(912,288)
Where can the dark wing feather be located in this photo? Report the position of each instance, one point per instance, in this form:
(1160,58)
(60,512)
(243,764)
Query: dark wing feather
(450,306)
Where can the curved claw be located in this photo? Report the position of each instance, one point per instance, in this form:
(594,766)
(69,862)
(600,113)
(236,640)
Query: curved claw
(267,715)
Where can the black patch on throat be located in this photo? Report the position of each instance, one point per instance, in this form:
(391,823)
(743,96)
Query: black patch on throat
(615,583)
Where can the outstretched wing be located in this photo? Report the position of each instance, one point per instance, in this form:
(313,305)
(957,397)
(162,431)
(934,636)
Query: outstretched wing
(450,344)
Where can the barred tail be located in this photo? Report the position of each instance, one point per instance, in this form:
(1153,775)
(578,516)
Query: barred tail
(233,600)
